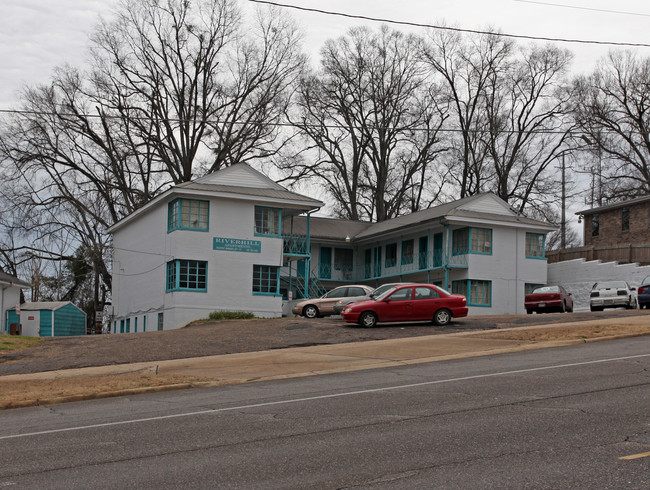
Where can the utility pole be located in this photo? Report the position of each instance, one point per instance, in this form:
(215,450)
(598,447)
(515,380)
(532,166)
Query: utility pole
(563,222)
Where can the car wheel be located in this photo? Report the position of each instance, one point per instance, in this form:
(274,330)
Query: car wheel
(442,317)
(368,319)
(630,304)
(530,312)
(563,307)
(310,311)
(596,308)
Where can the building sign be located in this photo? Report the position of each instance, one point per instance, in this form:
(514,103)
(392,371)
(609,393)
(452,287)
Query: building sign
(237,245)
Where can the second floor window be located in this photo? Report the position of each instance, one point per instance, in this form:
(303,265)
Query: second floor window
(391,255)
(188,214)
(472,240)
(535,245)
(267,221)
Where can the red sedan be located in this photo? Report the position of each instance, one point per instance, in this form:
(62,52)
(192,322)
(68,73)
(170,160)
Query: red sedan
(548,298)
(407,302)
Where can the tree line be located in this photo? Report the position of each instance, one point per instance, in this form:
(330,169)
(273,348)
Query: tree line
(388,123)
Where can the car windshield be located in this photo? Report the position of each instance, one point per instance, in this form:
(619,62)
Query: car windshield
(610,285)
(546,289)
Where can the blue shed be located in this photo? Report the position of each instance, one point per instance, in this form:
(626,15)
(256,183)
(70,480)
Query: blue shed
(49,319)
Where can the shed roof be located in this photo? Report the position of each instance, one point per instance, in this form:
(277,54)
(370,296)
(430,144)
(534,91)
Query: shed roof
(44,305)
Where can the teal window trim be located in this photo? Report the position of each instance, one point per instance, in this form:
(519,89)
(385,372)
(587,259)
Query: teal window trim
(480,238)
(266,280)
(469,288)
(185,271)
(472,240)
(268,221)
(391,255)
(408,251)
(182,210)
(535,249)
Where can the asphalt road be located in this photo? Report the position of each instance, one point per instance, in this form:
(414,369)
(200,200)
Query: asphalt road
(554,418)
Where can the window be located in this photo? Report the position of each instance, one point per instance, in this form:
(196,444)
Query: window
(266,280)
(460,241)
(472,240)
(535,245)
(402,295)
(135,324)
(160,321)
(407,251)
(340,292)
(144,323)
(426,293)
(391,255)
(267,221)
(187,275)
(355,291)
(595,225)
(530,287)
(188,214)
(625,219)
(477,292)
(481,239)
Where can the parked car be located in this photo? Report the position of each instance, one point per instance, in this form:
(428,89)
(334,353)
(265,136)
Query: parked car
(340,304)
(612,294)
(548,298)
(643,293)
(405,303)
(323,306)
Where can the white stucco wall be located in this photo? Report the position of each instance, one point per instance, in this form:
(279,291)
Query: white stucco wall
(143,248)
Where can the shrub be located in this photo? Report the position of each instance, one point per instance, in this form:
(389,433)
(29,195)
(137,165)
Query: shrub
(230,315)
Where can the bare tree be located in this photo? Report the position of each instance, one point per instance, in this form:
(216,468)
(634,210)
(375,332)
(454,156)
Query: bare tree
(373,125)
(191,75)
(527,109)
(467,66)
(612,111)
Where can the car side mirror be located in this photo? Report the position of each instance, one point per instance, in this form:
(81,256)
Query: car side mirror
(632,289)
(570,294)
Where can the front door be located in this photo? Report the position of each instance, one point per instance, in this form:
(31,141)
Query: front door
(424,252)
(437,250)
(325,263)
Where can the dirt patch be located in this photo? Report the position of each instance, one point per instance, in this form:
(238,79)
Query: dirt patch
(23,393)
(574,332)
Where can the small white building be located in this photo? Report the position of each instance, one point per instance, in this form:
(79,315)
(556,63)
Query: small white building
(235,240)
(10,287)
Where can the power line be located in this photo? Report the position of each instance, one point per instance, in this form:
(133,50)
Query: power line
(584,8)
(447,28)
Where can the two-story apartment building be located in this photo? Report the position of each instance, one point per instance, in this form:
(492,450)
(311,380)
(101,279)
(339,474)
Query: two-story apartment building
(618,223)
(235,240)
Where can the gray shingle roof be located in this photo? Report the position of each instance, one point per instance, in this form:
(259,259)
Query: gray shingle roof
(9,279)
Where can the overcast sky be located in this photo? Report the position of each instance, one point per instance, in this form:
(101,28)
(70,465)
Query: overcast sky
(37,35)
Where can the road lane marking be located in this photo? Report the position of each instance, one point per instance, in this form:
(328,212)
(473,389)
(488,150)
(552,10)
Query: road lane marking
(321,397)
(635,456)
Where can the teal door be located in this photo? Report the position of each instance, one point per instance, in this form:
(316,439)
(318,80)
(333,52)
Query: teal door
(437,250)
(325,263)
(377,261)
(368,263)
(300,268)
(423,262)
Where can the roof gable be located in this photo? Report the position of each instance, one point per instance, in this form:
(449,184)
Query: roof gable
(239,175)
(487,203)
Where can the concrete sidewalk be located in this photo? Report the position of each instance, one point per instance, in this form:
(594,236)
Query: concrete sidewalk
(333,358)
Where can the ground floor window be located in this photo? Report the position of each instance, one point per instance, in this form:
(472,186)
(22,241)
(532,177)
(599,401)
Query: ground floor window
(160,321)
(477,292)
(530,287)
(266,279)
(187,275)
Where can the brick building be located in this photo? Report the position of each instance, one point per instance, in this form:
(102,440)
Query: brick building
(622,223)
